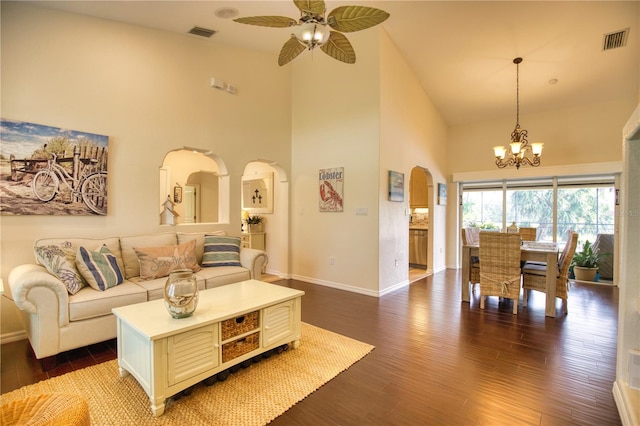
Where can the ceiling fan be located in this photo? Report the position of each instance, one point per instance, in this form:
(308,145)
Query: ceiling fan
(312,30)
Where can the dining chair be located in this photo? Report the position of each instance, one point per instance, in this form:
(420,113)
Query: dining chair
(534,276)
(470,237)
(528,234)
(500,267)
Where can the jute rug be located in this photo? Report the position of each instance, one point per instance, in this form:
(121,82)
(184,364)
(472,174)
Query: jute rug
(252,396)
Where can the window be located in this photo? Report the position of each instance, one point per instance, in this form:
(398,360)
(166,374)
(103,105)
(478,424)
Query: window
(585,204)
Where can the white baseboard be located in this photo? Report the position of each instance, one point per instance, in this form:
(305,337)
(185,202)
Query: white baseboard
(13,337)
(628,403)
(338,286)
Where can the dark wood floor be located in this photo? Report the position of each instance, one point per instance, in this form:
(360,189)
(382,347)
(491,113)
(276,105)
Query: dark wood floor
(439,361)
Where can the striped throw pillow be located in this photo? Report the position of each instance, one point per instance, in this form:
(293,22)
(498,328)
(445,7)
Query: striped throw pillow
(99,268)
(221,251)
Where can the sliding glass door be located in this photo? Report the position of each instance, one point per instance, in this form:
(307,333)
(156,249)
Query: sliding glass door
(553,206)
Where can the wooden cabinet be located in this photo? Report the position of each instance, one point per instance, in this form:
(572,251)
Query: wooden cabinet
(418,189)
(253,240)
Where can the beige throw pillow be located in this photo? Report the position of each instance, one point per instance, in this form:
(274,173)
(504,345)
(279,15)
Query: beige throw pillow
(156,262)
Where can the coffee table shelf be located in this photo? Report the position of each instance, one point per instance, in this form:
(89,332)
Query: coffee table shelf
(168,355)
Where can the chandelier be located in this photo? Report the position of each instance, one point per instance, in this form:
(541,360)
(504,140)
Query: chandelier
(519,146)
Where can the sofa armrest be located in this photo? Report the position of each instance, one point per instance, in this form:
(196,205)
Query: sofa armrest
(37,292)
(254,260)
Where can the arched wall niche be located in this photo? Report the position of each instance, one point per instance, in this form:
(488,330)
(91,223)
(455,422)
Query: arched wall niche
(277,221)
(197,182)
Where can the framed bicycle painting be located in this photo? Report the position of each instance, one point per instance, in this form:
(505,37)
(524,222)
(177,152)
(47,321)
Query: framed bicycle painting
(47,170)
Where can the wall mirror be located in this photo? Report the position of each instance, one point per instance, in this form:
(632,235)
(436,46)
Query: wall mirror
(197,178)
(257,193)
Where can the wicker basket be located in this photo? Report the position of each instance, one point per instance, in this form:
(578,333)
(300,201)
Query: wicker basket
(239,325)
(240,347)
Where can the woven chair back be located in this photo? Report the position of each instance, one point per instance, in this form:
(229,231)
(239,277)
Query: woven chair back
(500,264)
(562,286)
(528,234)
(470,236)
(537,281)
(467,235)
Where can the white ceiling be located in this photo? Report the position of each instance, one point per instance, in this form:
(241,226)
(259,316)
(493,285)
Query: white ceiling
(461,51)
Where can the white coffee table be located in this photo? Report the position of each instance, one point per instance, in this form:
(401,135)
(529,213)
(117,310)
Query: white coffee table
(231,324)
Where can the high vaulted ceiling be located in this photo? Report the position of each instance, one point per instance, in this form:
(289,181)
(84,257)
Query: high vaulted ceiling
(461,51)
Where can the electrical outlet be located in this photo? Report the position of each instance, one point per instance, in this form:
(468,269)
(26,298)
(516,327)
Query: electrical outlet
(397,262)
(331,260)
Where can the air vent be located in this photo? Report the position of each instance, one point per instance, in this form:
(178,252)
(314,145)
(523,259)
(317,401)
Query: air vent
(615,39)
(202,32)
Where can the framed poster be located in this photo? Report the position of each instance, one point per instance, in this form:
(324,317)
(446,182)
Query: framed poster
(48,170)
(331,186)
(442,194)
(396,186)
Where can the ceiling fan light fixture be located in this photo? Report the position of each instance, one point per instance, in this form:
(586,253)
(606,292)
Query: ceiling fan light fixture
(312,34)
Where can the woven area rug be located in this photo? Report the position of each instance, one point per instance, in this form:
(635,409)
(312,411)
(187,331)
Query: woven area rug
(252,396)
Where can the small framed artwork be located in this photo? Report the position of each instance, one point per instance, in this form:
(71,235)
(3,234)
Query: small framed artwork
(442,194)
(257,193)
(396,186)
(177,193)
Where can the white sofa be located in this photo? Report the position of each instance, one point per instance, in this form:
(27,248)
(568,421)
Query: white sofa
(57,321)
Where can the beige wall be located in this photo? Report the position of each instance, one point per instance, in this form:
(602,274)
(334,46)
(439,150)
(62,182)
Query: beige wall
(570,135)
(369,118)
(336,122)
(412,133)
(149,92)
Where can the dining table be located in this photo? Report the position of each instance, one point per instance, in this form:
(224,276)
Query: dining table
(536,252)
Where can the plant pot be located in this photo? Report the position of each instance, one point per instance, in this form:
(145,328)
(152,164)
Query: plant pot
(585,274)
(254,228)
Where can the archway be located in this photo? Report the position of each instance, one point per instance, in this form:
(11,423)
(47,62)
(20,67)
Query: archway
(276,219)
(421,202)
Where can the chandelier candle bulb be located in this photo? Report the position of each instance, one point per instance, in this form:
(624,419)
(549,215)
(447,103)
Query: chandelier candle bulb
(537,148)
(515,147)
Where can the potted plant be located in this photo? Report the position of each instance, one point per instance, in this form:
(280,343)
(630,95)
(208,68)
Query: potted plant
(585,263)
(255,223)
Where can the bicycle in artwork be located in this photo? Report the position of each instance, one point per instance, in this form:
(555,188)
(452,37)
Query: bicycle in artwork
(89,184)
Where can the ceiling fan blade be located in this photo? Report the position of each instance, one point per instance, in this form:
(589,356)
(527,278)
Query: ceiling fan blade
(268,21)
(314,6)
(355,18)
(338,47)
(290,50)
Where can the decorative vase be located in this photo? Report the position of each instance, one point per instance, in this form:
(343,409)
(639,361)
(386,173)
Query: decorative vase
(181,293)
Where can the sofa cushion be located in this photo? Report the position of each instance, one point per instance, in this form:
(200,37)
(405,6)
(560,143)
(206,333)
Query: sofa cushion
(184,237)
(155,288)
(60,260)
(90,303)
(129,257)
(156,262)
(112,243)
(223,275)
(99,268)
(221,251)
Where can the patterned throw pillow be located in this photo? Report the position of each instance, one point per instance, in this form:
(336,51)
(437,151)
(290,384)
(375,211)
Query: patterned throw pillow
(60,260)
(156,262)
(221,251)
(99,268)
